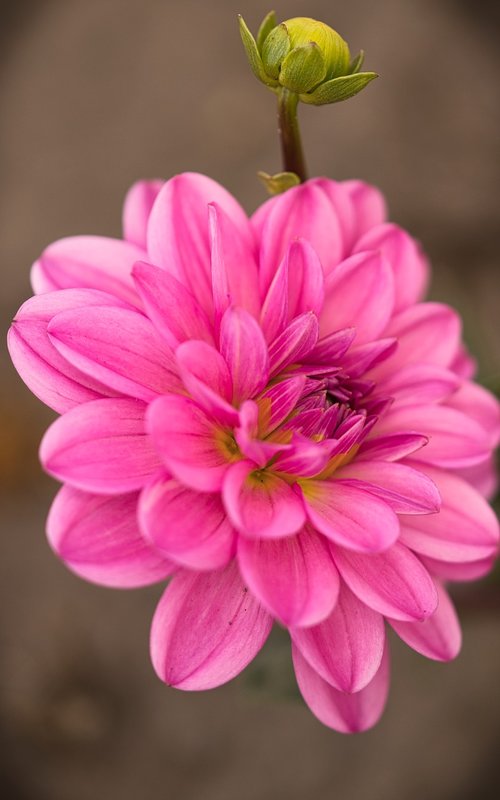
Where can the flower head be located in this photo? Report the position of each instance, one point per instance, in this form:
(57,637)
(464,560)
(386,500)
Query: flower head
(265,411)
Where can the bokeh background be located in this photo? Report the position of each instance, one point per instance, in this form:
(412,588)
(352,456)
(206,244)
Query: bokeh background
(94,95)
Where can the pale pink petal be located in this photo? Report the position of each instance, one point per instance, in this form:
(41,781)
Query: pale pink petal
(464,365)
(101,446)
(419,383)
(344,712)
(206,629)
(466,528)
(404,489)
(408,263)
(118,347)
(244,349)
(483,477)
(98,538)
(350,516)
(191,445)
(207,379)
(359,293)
(358,360)
(137,208)
(294,578)
(346,648)
(395,583)
(189,527)
(89,262)
(341,201)
(260,504)
(391,447)
(466,571)
(477,402)
(439,637)
(294,343)
(369,205)
(176,314)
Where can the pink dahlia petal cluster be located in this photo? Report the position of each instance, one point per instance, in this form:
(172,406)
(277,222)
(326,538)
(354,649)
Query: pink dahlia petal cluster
(264,410)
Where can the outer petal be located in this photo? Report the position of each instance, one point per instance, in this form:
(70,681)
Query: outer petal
(477,402)
(467,571)
(350,516)
(405,490)
(101,447)
(394,583)
(206,629)
(369,205)
(294,578)
(99,539)
(190,527)
(136,210)
(244,348)
(419,383)
(92,262)
(259,504)
(346,713)
(438,637)
(346,648)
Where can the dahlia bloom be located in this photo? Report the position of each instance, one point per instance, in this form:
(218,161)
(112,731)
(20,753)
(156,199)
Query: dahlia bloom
(264,411)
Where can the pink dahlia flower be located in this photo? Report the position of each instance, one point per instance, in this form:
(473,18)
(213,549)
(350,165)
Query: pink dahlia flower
(265,412)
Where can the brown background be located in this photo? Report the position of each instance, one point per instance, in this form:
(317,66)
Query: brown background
(94,95)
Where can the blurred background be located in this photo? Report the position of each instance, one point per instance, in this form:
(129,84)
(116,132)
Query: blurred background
(94,95)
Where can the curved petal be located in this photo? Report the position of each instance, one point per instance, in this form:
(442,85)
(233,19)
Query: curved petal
(294,342)
(394,583)
(419,383)
(259,504)
(190,527)
(438,637)
(294,578)
(346,648)
(466,571)
(206,629)
(369,206)
(244,349)
(139,201)
(481,405)
(101,447)
(344,712)
(98,538)
(207,379)
(391,447)
(404,489)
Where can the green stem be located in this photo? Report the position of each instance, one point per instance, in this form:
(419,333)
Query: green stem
(288,127)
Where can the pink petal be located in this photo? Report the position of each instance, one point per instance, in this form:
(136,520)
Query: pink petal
(350,516)
(280,400)
(294,343)
(394,583)
(466,528)
(171,306)
(101,447)
(477,402)
(91,262)
(118,347)
(391,447)
(405,490)
(346,648)
(274,314)
(136,210)
(207,379)
(419,383)
(346,713)
(439,637)
(190,527)
(306,283)
(244,348)
(260,504)
(369,204)
(483,476)
(333,347)
(206,629)
(191,445)
(359,293)
(408,263)
(98,538)
(294,578)
(367,356)
(467,571)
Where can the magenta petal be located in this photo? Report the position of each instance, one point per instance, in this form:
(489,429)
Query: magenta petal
(244,348)
(207,379)
(190,527)
(346,648)
(261,505)
(282,398)
(344,712)
(360,294)
(91,262)
(426,333)
(98,538)
(369,204)
(405,490)
(466,571)
(391,447)
(350,516)
(174,311)
(274,314)
(419,383)
(136,210)
(188,442)
(306,283)
(101,447)
(395,583)
(294,578)
(439,637)
(206,629)
(118,347)
(294,343)
(333,347)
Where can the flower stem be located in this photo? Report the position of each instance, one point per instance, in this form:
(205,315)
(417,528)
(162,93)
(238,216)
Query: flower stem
(288,127)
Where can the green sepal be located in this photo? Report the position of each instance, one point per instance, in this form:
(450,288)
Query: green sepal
(275,48)
(338,89)
(356,63)
(266,26)
(280,182)
(253,54)
(303,68)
